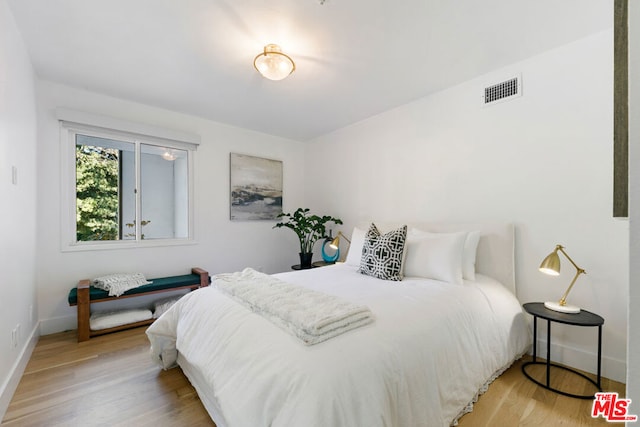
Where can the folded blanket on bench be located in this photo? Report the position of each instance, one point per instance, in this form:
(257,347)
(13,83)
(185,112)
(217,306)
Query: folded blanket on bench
(309,315)
(119,283)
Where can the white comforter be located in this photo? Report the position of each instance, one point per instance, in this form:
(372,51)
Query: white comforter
(431,349)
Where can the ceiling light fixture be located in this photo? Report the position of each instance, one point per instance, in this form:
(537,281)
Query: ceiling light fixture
(169,155)
(273,64)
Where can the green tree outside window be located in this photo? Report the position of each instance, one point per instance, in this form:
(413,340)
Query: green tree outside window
(97,199)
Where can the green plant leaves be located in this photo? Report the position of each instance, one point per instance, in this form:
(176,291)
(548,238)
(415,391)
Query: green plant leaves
(309,228)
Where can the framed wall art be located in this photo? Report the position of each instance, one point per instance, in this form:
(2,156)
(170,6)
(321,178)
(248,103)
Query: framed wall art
(255,188)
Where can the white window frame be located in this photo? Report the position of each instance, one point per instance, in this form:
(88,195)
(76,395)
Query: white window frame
(124,131)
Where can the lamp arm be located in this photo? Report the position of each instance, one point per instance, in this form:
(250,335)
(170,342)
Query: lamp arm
(561,249)
(345,237)
(563,300)
(579,271)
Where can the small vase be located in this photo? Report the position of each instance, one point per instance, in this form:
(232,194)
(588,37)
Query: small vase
(305,259)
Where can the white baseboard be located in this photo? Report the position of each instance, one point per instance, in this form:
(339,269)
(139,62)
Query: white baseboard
(58,324)
(587,361)
(9,387)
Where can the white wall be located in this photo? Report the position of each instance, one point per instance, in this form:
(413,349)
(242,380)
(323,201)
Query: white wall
(633,353)
(222,245)
(542,161)
(18,211)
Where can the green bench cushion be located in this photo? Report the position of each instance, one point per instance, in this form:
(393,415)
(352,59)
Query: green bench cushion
(160,284)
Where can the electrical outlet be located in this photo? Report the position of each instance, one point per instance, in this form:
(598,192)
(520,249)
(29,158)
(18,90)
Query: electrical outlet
(31,313)
(14,175)
(15,336)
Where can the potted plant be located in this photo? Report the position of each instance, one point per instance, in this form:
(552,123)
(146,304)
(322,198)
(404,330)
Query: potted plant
(309,229)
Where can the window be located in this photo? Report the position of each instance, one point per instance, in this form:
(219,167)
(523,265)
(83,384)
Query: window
(124,189)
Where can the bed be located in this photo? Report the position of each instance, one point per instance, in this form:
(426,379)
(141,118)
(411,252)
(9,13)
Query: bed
(433,346)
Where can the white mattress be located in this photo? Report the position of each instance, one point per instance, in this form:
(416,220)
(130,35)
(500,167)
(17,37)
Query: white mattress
(431,348)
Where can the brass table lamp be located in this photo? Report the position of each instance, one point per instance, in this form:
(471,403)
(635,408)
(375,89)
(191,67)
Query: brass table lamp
(551,265)
(335,243)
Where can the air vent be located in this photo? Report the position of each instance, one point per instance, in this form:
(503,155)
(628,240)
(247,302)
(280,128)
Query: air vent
(503,91)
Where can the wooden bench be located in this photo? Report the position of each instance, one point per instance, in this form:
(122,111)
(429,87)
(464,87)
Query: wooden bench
(84,295)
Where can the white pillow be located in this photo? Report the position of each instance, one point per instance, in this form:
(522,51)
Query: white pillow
(355,248)
(163,305)
(435,256)
(111,319)
(469,255)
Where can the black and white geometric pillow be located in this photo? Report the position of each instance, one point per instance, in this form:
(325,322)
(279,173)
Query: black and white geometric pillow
(382,254)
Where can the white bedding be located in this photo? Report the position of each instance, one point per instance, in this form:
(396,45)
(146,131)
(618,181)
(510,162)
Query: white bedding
(312,316)
(432,347)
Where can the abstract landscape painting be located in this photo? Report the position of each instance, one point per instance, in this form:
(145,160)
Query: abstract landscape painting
(256,187)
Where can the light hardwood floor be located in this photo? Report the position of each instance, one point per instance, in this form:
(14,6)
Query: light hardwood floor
(111,381)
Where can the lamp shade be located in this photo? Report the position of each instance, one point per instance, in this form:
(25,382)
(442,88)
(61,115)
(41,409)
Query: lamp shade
(335,243)
(273,64)
(551,264)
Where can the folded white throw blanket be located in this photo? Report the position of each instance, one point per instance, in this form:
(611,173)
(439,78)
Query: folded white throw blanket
(312,316)
(119,283)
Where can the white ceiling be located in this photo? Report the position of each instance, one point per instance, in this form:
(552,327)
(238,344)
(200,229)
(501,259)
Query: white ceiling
(354,58)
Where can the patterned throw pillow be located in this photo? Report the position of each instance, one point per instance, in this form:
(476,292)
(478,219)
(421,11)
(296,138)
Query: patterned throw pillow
(382,253)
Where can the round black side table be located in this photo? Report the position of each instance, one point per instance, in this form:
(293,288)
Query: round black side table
(313,265)
(583,318)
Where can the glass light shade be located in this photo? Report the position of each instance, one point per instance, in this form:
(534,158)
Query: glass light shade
(273,64)
(551,264)
(169,156)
